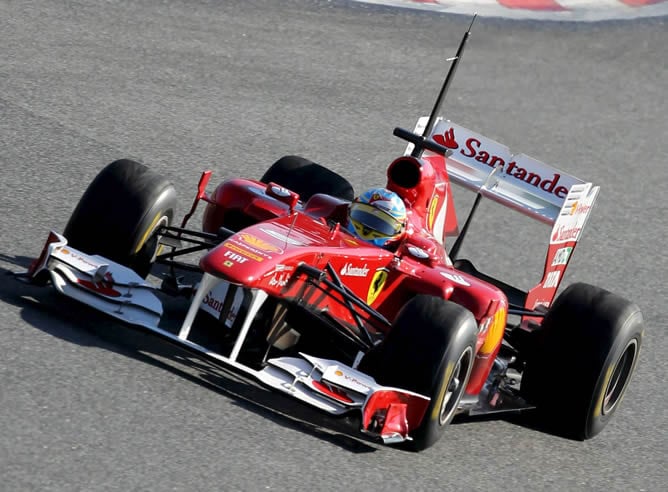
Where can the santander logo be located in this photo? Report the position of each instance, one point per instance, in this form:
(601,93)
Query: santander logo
(563,233)
(474,148)
(447,139)
(349,270)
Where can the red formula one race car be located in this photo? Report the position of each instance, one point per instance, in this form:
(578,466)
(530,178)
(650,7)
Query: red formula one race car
(353,304)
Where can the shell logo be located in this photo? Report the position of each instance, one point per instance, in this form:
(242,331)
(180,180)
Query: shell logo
(574,207)
(495,332)
(258,243)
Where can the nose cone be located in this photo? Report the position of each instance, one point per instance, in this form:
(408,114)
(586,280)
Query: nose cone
(255,252)
(243,258)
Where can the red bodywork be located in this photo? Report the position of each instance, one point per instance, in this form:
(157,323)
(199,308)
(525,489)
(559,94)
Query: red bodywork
(278,233)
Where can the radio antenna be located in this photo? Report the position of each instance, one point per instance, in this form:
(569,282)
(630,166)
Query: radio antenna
(418,149)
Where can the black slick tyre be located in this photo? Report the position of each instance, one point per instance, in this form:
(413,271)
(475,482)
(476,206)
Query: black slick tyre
(119,212)
(430,350)
(307,178)
(582,360)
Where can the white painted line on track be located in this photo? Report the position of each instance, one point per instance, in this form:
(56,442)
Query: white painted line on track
(551,10)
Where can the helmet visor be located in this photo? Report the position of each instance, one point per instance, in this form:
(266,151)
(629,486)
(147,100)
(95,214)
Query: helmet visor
(374,219)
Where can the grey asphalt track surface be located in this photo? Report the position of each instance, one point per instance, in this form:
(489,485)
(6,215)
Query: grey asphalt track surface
(89,404)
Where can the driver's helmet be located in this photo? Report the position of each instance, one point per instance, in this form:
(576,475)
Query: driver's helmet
(377,216)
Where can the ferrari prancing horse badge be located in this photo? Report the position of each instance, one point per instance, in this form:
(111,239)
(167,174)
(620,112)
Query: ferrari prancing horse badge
(377,284)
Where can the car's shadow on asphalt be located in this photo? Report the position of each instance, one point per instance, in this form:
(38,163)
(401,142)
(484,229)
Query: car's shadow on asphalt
(46,310)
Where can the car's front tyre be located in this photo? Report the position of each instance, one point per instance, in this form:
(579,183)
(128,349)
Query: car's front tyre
(430,350)
(119,212)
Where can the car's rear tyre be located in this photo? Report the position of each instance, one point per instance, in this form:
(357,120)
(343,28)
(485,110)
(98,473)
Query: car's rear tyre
(582,360)
(307,178)
(430,350)
(119,212)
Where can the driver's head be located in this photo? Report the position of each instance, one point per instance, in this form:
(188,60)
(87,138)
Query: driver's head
(377,216)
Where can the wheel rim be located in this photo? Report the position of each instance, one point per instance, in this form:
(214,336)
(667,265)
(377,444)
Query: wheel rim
(151,248)
(620,377)
(164,221)
(455,386)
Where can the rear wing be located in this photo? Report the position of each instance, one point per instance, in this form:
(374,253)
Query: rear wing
(522,183)
(519,181)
